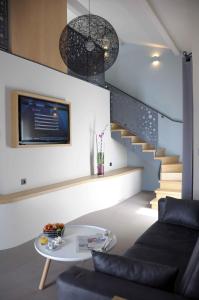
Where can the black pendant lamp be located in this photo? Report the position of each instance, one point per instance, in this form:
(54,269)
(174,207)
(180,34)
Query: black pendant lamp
(89,45)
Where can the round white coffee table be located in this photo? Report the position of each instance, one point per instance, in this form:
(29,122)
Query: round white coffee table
(69,251)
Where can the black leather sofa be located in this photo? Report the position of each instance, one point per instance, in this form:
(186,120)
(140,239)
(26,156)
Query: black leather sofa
(163,264)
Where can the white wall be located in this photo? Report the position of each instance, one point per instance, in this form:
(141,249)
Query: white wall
(160,87)
(24,220)
(170,136)
(90,111)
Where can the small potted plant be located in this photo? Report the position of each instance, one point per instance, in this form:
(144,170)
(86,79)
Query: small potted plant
(100,152)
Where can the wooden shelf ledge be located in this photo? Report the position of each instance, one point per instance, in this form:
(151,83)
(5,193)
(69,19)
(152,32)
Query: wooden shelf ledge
(34,192)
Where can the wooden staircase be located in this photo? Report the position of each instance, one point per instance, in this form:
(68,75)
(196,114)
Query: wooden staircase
(171,169)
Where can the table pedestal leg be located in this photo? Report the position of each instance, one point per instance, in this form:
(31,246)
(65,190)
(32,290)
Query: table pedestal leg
(44,274)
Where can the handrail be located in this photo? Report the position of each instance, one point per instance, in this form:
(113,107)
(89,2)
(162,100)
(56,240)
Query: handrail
(154,109)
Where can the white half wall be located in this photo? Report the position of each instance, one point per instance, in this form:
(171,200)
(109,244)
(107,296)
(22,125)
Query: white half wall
(24,220)
(90,111)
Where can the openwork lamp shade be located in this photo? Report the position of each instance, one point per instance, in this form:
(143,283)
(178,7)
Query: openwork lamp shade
(89,45)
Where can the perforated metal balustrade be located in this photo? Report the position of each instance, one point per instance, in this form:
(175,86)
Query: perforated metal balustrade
(134,115)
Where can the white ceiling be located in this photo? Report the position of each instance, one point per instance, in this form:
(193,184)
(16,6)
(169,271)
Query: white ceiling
(161,23)
(177,17)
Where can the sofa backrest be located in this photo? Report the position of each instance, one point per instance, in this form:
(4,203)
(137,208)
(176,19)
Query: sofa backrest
(188,286)
(179,212)
(184,213)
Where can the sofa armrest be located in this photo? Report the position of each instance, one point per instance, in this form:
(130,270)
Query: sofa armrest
(179,212)
(82,284)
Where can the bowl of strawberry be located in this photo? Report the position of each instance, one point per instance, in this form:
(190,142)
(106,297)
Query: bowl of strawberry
(53,230)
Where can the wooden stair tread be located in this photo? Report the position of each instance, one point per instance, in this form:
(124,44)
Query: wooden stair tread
(168,190)
(128,136)
(118,129)
(154,200)
(116,125)
(154,203)
(153,150)
(171,167)
(171,176)
(177,172)
(167,159)
(168,164)
(172,184)
(149,150)
(163,156)
(166,156)
(169,180)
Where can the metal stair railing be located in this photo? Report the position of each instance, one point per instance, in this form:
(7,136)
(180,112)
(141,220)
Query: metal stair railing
(135,115)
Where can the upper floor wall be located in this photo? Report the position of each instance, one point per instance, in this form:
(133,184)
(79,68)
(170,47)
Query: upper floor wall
(90,112)
(35,28)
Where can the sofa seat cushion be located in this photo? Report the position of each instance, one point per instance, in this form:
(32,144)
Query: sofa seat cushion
(189,283)
(166,244)
(139,271)
(163,256)
(82,284)
(147,253)
(169,237)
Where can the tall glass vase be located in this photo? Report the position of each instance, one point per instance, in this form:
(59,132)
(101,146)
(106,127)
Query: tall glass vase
(100,163)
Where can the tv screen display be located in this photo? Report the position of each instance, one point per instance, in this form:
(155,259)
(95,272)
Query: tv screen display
(42,121)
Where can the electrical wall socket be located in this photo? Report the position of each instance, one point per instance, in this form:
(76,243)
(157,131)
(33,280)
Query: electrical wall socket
(23,181)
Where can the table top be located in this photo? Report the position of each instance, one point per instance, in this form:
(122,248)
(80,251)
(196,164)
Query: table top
(68,250)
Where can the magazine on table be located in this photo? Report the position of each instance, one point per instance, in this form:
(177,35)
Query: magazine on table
(91,242)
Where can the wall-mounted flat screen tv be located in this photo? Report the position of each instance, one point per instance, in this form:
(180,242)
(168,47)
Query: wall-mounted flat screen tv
(40,120)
